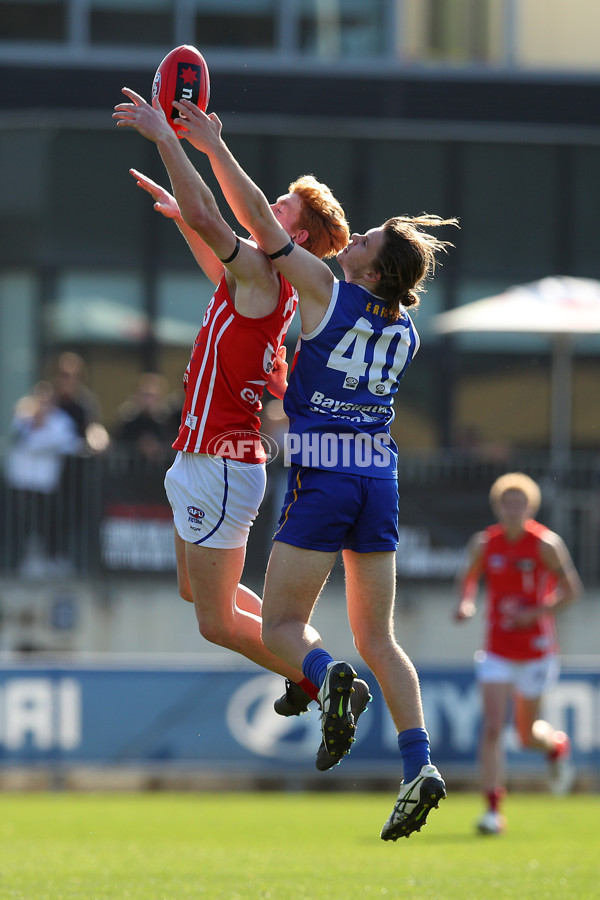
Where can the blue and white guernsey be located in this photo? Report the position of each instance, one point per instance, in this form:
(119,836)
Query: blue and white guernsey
(341,389)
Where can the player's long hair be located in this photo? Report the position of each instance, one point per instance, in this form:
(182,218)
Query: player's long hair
(322,216)
(407,259)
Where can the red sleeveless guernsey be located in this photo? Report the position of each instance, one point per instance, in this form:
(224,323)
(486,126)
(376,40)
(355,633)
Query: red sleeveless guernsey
(516,576)
(231,360)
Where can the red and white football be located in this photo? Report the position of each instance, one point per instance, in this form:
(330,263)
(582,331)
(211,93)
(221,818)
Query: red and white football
(182,75)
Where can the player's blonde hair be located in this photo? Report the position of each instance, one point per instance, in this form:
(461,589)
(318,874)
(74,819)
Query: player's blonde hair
(516,481)
(407,259)
(322,216)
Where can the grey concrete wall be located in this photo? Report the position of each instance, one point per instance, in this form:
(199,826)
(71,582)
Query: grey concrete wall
(146,616)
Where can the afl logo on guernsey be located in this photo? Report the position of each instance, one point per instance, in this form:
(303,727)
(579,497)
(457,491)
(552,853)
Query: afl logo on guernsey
(268,357)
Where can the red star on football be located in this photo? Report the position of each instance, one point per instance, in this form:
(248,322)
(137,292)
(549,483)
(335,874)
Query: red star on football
(189,76)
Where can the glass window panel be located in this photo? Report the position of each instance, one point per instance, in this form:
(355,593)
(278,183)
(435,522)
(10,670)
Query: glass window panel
(133,6)
(586,202)
(145,22)
(330,160)
(432,302)
(18,340)
(97,212)
(249,150)
(332,28)
(235,7)
(98,307)
(22,151)
(509,210)
(44,20)
(236,23)
(458,30)
(182,302)
(22,199)
(405,178)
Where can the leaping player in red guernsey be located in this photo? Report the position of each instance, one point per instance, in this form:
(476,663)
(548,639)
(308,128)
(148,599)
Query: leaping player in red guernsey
(217,481)
(530,577)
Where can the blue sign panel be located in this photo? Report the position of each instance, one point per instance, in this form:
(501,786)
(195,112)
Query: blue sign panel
(217,718)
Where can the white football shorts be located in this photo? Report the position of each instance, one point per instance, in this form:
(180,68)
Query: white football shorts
(214,503)
(530,678)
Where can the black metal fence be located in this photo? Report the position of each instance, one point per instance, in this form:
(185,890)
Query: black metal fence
(110,514)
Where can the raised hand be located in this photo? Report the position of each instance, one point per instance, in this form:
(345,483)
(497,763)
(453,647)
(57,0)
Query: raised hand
(165,203)
(201,130)
(150,121)
(465,610)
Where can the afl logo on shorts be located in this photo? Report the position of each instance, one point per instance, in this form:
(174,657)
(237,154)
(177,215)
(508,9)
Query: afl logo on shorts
(195,514)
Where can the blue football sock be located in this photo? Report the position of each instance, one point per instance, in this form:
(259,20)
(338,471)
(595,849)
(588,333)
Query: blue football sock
(315,665)
(414,750)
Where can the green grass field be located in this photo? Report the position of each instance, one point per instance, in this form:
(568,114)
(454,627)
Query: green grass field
(290,846)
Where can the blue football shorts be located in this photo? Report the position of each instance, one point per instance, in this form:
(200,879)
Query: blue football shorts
(331,511)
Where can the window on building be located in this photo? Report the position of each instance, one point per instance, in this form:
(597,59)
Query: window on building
(182,302)
(586,198)
(97,213)
(97,307)
(334,28)
(19,322)
(42,20)
(455,30)
(509,211)
(141,22)
(236,23)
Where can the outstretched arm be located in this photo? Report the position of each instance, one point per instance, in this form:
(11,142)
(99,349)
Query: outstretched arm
(194,199)
(247,201)
(196,203)
(468,579)
(309,275)
(165,203)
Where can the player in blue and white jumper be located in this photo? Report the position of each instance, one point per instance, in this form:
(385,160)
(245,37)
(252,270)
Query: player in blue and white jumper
(356,343)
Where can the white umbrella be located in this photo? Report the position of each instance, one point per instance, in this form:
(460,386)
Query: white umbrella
(560,307)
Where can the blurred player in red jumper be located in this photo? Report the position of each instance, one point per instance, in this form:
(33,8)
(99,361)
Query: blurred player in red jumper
(217,481)
(529,576)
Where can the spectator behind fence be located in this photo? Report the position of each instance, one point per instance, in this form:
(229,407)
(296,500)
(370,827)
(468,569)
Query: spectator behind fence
(144,423)
(41,436)
(79,513)
(79,401)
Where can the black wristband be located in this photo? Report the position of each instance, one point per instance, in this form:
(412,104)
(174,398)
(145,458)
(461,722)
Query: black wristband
(285,251)
(236,250)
